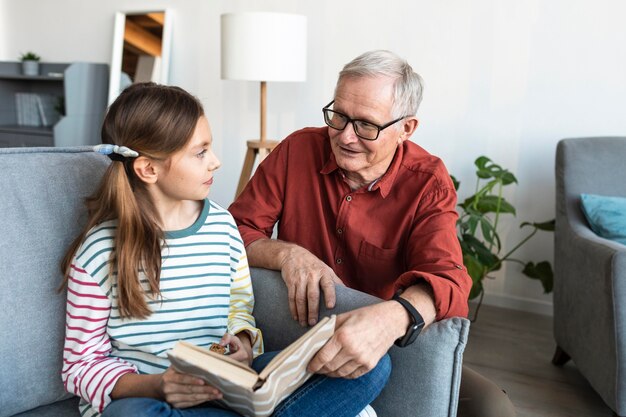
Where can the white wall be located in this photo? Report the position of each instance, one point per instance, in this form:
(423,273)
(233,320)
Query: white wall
(506,79)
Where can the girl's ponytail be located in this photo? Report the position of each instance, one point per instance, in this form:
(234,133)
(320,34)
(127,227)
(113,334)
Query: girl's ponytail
(137,246)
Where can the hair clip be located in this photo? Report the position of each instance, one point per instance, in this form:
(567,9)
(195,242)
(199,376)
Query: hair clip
(115,152)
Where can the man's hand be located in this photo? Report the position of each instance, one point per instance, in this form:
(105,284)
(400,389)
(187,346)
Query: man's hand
(361,338)
(304,274)
(364,335)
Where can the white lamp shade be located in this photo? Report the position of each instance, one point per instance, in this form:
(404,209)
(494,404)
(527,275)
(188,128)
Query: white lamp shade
(263,46)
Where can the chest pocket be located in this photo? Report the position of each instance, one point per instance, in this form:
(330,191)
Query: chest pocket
(378,267)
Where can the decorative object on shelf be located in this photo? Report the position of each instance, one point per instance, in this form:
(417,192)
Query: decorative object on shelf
(477,227)
(30,63)
(262,46)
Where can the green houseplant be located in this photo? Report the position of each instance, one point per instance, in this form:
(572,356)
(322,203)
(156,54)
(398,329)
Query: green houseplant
(478,229)
(30,63)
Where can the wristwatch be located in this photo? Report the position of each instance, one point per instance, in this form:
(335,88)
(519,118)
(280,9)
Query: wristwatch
(416,326)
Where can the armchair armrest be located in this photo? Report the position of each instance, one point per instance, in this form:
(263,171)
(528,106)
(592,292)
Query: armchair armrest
(426,375)
(590,287)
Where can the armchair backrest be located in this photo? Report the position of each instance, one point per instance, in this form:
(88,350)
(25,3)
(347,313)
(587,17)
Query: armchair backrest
(594,165)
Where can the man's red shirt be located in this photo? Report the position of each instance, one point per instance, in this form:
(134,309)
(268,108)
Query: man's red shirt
(387,236)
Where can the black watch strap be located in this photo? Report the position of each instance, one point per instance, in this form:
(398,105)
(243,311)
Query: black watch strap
(416,326)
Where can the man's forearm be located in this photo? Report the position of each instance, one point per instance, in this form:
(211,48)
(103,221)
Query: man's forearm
(421,297)
(269,253)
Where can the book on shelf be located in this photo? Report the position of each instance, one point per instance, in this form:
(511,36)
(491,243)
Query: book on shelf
(35,109)
(244,390)
(26,108)
(45,105)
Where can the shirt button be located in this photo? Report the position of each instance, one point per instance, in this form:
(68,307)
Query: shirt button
(340,231)
(339,260)
(349,198)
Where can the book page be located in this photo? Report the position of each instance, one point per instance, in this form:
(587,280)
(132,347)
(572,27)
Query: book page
(218,356)
(323,330)
(189,358)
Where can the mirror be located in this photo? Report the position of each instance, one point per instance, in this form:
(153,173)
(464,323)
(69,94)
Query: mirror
(141,49)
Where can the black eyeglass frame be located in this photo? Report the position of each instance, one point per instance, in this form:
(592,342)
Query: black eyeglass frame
(350,120)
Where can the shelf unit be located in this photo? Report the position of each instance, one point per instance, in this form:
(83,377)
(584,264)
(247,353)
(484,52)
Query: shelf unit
(84,87)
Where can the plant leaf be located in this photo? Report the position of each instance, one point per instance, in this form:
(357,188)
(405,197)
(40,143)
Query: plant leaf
(483,171)
(545,226)
(508,178)
(489,204)
(541,271)
(474,267)
(477,288)
(470,245)
(481,162)
(489,233)
(483,174)
(476,272)
(456,183)
(472,223)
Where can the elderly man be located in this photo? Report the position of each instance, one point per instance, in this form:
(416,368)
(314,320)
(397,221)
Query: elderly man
(357,204)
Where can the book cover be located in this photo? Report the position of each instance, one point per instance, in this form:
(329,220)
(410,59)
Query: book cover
(245,391)
(47,113)
(27,111)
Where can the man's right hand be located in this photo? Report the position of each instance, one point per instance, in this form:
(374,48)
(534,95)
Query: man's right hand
(305,274)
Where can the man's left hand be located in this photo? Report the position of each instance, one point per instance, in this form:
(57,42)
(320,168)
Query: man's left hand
(361,338)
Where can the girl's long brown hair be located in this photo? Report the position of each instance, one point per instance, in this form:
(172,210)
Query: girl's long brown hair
(155,121)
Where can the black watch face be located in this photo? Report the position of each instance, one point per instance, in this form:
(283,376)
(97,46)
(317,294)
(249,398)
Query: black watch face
(410,336)
(413,332)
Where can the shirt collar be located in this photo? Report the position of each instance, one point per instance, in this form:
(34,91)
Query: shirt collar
(384,183)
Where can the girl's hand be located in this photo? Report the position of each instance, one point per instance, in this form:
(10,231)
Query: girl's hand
(184,390)
(239,346)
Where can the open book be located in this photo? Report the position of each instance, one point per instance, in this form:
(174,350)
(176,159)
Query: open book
(245,391)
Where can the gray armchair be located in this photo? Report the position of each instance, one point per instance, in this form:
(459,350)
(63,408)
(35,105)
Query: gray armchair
(590,271)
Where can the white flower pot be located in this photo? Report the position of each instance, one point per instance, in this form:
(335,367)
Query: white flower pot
(30,67)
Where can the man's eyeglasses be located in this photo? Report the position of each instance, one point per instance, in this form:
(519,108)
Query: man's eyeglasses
(364,130)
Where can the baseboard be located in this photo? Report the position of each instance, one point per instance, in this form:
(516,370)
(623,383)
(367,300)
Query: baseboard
(517,303)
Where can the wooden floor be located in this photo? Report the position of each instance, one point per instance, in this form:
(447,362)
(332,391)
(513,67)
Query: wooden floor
(514,349)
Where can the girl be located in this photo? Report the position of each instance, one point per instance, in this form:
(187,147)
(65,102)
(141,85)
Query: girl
(158,262)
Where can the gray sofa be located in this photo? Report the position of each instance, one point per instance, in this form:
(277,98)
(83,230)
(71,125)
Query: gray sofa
(590,271)
(41,206)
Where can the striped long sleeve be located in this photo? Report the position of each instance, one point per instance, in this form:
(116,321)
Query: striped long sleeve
(242,303)
(88,370)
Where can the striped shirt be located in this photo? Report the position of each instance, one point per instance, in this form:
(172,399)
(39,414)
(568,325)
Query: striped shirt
(205,291)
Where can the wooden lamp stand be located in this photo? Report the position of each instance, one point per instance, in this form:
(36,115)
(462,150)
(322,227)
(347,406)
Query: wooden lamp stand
(260,148)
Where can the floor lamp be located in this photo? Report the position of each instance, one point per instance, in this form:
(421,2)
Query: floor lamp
(264,47)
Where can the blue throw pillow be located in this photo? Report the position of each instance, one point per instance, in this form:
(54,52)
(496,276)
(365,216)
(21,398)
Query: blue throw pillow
(606,216)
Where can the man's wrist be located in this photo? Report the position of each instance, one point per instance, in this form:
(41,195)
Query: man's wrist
(285,252)
(401,319)
(416,322)
(268,253)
